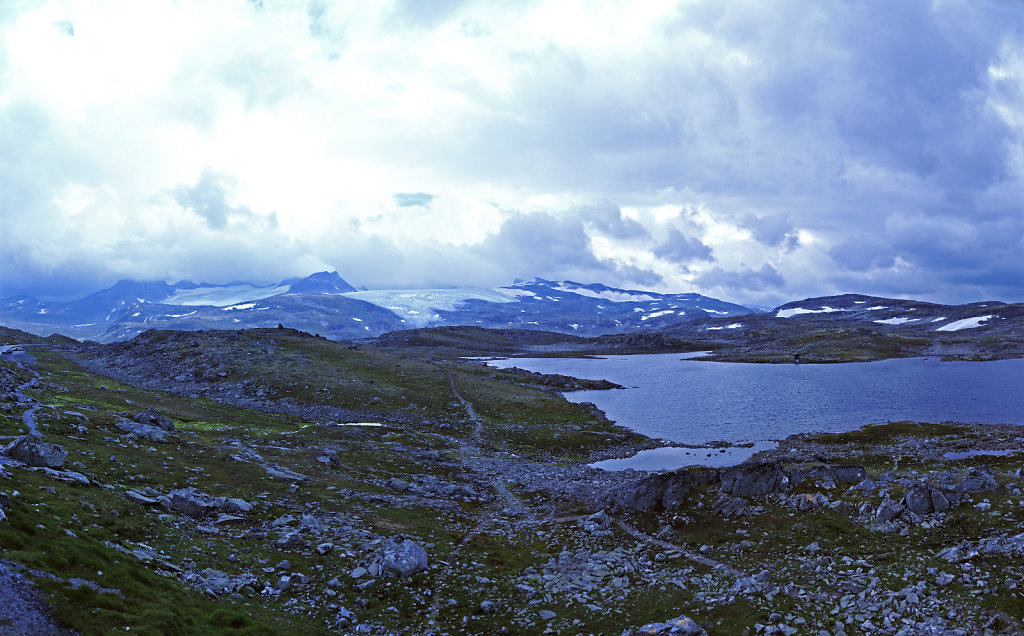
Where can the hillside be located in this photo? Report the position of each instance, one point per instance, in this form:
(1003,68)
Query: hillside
(269,481)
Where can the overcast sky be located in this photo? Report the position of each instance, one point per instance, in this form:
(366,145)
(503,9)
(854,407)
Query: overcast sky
(755,151)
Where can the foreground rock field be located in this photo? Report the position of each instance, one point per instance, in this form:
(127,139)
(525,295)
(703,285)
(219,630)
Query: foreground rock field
(268,481)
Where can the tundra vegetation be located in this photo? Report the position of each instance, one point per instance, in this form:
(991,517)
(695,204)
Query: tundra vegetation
(270,481)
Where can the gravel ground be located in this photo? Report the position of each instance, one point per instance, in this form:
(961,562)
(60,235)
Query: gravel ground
(22,610)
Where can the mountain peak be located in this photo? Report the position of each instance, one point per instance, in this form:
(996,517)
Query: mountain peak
(321,283)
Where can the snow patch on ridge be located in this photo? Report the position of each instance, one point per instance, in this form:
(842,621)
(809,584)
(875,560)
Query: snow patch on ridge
(796,311)
(607,294)
(966,323)
(895,321)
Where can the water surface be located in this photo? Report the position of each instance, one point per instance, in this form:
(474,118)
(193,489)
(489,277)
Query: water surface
(693,401)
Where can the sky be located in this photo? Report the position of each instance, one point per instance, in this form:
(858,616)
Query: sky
(756,151)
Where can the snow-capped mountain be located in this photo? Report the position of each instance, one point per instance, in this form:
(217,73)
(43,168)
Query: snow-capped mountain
(324,303)
(889,315)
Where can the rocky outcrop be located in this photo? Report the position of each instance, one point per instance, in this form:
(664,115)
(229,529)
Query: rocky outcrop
(667,490)
(197,504)
(754,480)
(30,451)
(737,484)
(827,476)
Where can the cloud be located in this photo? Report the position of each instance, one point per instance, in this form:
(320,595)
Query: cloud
(540,244)
(795,143)
(210,199)
(679,248)
(773,230)
(412,199)
(862,253)
(608,219)
(765,279)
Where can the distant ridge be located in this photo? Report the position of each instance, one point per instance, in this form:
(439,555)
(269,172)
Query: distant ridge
(326,304)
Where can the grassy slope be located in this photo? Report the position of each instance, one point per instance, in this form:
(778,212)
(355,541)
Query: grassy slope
(468,542)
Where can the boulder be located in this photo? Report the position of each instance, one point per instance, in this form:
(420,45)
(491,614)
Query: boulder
(147,432)
(195,503)
(888,510)
(33,452)
(192,502)
(919,500)
(150,417)
(596,522)
(401,556)
(681,625)
(290,541)
(754,480)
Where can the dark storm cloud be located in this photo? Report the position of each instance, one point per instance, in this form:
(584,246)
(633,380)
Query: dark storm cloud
(765,279)
(773,230)
(631,274)
(680,248)
(862,253)
(607,218)
(540,244)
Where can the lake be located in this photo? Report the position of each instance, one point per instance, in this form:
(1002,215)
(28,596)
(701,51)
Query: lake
(691,401)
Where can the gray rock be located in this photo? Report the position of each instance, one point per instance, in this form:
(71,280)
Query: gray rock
(919,500)
(152,418)
(234,504)
(665,490)
(730,507)
(754,480)
(807,501)
(546,615)
(681,625)
(597,521)
(978,479)
(398,485)
(888,510)
(140,498)
(851,474)
(290,541)
(526,590)
(33,452)
(490,607)
(195,503)
(217,582)
(401,556)
(147,432)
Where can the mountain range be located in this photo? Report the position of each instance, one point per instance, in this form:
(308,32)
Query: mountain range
(325,304)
